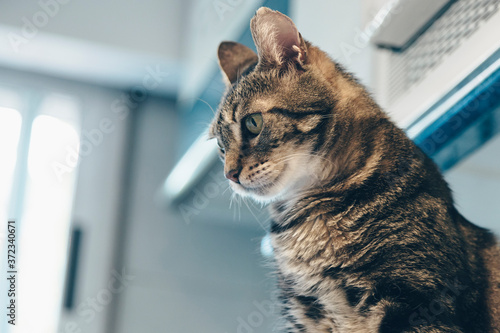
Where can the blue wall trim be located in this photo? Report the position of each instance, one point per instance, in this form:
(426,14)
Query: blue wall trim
(466,125)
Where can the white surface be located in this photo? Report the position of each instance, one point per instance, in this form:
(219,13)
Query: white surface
(194,163)
(454,68)
(86,61)
(208,23)
(97,193)
(475,183)
(105,42)
(111,42)
(337,28)
(411,17)
(438,112)
(147,26)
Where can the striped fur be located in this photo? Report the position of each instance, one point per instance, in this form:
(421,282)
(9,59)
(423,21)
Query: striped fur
(365,233)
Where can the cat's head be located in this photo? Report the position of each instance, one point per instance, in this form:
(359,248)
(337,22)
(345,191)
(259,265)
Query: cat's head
(274,120)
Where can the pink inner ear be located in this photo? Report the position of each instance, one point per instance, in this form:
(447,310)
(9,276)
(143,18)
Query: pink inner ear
(287,35)
(276,37)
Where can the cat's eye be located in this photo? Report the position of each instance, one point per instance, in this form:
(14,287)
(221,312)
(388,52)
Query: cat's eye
(254,123)
(220,147)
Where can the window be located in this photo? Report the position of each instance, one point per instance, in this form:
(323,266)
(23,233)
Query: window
(10,129)
(39,144)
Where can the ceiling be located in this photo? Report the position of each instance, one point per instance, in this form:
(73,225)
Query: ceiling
(115,43)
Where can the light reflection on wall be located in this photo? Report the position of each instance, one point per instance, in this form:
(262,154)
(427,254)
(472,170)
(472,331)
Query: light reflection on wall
(10,128)
(44,225)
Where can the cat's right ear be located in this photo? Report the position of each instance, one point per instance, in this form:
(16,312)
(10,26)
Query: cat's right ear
(277,39)
(234,59)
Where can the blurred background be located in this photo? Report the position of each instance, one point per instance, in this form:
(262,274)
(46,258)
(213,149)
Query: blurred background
(123,220)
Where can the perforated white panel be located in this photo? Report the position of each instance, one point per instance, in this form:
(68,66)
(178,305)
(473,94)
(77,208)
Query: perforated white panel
(442,38)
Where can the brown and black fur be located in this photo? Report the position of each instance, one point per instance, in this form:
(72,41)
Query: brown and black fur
(365,233)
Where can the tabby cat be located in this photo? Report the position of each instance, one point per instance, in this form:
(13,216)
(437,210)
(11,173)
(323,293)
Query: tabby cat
(365,234)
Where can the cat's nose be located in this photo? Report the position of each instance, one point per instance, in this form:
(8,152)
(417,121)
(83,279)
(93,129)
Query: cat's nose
(233,175)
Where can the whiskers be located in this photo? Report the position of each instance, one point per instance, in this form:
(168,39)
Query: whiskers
(307,155)
(208,104)
(305,172)
(237,201)
(237,207)
(262,224)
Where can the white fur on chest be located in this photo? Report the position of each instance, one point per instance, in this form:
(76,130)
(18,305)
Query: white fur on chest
(340,316)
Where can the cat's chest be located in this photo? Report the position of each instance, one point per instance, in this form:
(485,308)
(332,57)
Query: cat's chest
(312,247)
(311,258)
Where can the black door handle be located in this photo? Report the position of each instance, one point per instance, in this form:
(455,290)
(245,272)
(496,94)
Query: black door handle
(72,268)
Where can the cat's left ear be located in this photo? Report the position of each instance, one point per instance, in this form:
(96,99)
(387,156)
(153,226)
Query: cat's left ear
(235,59)
(277,39)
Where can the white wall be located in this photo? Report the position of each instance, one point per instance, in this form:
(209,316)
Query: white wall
(147,26)
(189,277)
(106,42)
(97,193)
(475,183)
(209,23)
(336,27)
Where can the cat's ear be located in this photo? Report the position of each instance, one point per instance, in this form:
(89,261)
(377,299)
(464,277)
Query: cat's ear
(277,39)
(234,59)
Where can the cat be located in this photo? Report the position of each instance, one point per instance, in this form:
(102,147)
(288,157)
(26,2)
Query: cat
(365,234)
